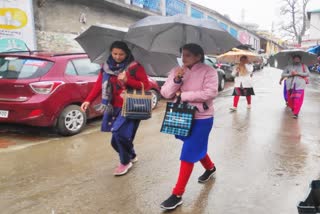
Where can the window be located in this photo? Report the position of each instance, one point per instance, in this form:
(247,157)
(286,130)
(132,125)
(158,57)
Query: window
(195,13)
(208,62)
(174,7)
(213,19)
(223,25)
(84,67)
(148,4)
(70,70)
(234,32)
(23,68)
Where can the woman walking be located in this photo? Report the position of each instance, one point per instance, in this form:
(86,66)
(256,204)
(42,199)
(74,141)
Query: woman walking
(243,82)
(296,74)
(197,84)
(118,73)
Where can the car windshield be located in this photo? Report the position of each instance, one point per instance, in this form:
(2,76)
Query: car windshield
(23,68)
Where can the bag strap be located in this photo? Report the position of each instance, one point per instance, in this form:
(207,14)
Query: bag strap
(142,89)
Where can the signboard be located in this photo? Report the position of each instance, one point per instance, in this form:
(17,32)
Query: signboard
(16,25)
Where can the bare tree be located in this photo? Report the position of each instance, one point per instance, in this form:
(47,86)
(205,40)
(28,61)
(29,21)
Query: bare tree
(296,12)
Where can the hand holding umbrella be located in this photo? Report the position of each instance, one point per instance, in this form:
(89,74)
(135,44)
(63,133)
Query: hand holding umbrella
(294,73)
(179,73)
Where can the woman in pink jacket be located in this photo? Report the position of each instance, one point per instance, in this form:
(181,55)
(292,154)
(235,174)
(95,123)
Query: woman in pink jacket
(197,84)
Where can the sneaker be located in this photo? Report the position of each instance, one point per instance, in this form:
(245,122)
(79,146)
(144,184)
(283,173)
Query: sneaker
(295,116)
(122,169)
(233,109)
(171,203)
(134,160)
(207,175)
(249,106)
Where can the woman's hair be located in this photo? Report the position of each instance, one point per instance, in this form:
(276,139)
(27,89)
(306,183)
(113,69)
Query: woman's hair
(243,57)
(194,49)
(242,68)
(296,56)
(123,46)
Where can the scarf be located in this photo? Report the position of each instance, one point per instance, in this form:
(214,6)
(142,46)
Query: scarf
(110,68)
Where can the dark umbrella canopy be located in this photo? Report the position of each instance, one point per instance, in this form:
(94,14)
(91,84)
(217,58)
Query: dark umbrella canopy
(284,58)
(97,39)
(169,34)
(96,42)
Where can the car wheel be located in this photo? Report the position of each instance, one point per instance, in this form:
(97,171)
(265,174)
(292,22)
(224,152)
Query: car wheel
(222,83)
(155,98)
(71,121)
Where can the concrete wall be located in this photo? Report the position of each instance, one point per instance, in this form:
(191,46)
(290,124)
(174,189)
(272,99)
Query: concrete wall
(58,22)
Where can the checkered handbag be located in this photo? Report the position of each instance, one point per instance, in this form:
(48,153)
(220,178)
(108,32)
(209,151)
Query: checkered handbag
(178,119)
(137,104)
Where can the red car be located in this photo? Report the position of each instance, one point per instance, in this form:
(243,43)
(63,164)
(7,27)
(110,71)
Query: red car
(45,89)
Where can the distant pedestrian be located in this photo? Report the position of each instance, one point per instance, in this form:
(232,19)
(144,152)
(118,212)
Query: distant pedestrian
(297,75)
(118,73)
(197,84)
(243,82)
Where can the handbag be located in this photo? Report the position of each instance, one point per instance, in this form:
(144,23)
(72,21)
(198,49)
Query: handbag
(178,118)
(137,104)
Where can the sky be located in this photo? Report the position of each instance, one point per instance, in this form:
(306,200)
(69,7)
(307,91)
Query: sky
(261,12)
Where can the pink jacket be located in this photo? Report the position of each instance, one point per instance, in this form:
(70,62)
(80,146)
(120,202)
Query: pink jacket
(200,84)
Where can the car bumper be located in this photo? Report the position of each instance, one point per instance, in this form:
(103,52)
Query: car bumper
(28,113)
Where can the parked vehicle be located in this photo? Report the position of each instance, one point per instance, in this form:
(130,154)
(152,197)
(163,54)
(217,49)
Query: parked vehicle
(45,89)
(228,68)
(212,61)
(258,65)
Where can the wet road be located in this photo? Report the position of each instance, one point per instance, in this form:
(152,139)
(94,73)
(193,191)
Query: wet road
(265,160)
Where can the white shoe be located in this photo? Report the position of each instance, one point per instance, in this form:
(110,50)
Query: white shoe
(233,109)
(122,169)
(134,160)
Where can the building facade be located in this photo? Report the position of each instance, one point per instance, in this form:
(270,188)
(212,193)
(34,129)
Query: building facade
(58,22)
(174,7)
(313,37)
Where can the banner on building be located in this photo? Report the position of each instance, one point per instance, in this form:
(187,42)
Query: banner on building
(16,25)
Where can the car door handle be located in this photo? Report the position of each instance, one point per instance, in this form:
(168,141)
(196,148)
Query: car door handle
(81,82)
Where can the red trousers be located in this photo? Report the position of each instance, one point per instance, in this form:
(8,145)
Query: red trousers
(236,100)
(185,173)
